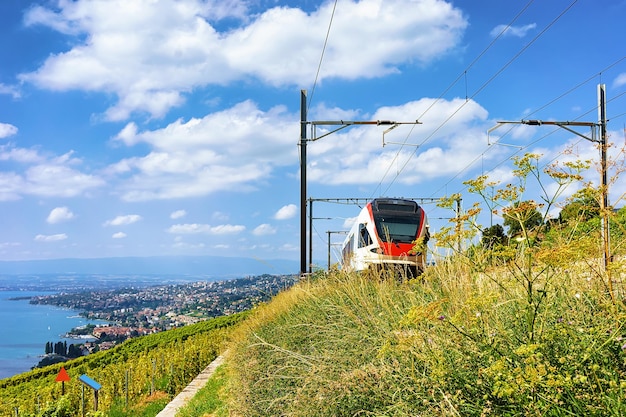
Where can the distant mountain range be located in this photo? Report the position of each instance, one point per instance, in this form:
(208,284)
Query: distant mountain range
(164,265)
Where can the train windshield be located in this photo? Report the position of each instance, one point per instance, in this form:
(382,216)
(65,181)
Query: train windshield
(400,229)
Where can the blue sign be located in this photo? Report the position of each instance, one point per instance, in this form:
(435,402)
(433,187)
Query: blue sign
(89,382)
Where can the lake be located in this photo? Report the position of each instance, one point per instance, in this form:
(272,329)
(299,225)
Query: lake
(25,328)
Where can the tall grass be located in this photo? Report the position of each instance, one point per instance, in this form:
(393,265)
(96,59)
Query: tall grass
(531,325)
(454,342)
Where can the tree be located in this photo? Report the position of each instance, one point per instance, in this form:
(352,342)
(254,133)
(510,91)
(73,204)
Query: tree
(522,216)
(493,236)
(74,351)
(60,348)
(582,208)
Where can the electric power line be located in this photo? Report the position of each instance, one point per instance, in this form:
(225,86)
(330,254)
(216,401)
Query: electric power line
(540,139)
(481,155)
(319,66)
(480,89)
(452,84)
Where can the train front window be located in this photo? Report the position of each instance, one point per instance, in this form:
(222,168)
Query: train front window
(397,229)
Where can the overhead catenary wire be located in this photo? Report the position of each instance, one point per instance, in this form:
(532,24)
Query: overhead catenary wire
(540,139)
(481,155)
(562,95)
(479,90)
(319,65)
(464,75)
(452,84)
(467,97)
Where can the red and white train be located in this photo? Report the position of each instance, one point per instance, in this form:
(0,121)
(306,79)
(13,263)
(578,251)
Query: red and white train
(384,235)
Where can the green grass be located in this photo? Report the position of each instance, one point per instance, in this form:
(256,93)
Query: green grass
(149,406)
(209,401)
(455,343)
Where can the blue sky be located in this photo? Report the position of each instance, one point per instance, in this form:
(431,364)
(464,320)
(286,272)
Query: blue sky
(162,127)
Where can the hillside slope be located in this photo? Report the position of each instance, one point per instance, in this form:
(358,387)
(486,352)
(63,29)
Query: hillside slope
(134,373)
(458,342)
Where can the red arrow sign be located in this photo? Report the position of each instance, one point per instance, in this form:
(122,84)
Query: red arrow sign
(62,376)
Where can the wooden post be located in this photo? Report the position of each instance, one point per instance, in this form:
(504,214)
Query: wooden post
(126,387)
(93,385)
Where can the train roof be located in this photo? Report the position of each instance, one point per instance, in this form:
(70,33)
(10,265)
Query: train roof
(394,204)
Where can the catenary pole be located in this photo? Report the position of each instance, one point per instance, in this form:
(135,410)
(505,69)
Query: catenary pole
(604,186)
(606,235)
(303,124)
(310,236)
(303,142)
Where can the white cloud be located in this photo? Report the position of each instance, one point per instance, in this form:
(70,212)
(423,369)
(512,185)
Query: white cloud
(43,175)
(195,228)
(60,214)
(620,80)
(347,223)
(178,214)
(198,151)
(215,153)
(118,235)
(26,156)
(7,130)
(193,184)
(517,31)
(500,176)
(288,247)
(243,124)
(11,186)
(50,238)
(150,54)
(264,230)
(193,152)
(43,16)
(188,246)
(9,244)
(226,142)
(123,220)
(523,131)
(220,216)
(58,180)
(10,90)
(286,212)
(452,131)
(393,32)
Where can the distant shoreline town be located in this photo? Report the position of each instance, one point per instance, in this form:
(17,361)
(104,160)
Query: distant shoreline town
(132,312)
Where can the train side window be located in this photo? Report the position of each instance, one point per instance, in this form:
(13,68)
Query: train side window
(364,236)
(347,250)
